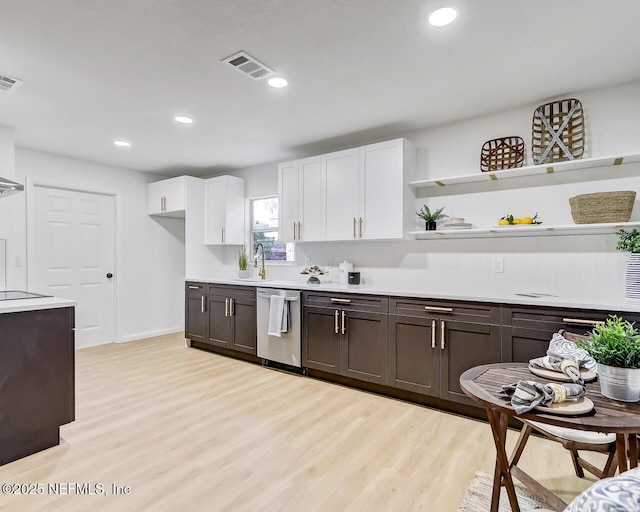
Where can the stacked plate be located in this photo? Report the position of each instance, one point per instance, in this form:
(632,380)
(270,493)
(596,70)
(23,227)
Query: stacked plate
(456,223)
(632,281)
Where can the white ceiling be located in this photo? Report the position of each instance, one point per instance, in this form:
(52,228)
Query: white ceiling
(359,70)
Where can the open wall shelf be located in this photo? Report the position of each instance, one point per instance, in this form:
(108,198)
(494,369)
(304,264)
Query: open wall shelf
(532,170)
(522,230)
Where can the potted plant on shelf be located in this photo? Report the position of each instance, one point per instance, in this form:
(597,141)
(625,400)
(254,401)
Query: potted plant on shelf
(629,241)
(615,346)
(430,217)
(243,262)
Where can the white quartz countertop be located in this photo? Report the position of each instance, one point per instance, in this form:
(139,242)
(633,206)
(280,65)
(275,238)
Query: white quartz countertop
(17,305)
(552,301)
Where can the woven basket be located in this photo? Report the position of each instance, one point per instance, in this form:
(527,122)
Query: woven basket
(602,207)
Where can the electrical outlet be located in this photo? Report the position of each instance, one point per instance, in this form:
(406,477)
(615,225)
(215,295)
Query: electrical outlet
(498,264)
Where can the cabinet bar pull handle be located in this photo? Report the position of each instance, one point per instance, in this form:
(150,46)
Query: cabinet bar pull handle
(231,307)
(442,331)
(439,309)
(337,328)
(360,227)
(202,304)
(581,322)
(354,228)
(226,307)
(165,203)
(161,203)
(222,234)
(294,230)
(299,230)
(433,334)
(344,327)
(191,287)
(340,301)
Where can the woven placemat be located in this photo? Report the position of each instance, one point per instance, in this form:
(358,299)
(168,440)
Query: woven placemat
(478,497)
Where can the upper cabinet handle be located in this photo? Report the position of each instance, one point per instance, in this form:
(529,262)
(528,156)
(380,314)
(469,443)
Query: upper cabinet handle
(341,301)
(360,227)
(439,309)
(581,322)
(294,230)
(299,230)
(354,228)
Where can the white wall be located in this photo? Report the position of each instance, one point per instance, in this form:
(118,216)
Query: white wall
(580,268)
(150,251)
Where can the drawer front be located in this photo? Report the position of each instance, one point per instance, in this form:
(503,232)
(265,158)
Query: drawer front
(573,320)
(195,287)
(477,312)
(237,292)
(348,302)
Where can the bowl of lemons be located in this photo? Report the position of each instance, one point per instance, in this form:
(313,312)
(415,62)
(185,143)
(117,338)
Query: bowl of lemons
(510,220)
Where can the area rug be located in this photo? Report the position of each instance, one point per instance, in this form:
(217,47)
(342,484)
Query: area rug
(478,497)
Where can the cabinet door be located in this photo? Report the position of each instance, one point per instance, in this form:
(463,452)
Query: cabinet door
(365,346)
(465,345)
(244,321)
(414,354)
(311,227)
(218,322)
(155,197)
(381,190)
(174,195)
(322,339)
(522,344)
(195,323)
(235,210)
(340,177)
(288,201)
(215,210)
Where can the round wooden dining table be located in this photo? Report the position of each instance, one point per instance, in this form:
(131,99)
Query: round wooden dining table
(483,384)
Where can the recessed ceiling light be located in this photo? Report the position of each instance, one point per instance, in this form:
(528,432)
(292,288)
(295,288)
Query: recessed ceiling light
(443,16)
(183,119)
(277,82)
(122,143)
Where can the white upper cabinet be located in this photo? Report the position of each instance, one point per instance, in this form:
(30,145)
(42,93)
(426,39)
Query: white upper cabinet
(385,200)
(356,194)
(224,211)
(288,201)
(300,200)
(167,198)
(341,188)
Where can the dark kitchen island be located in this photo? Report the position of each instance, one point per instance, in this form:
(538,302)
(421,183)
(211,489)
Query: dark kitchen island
(37,374)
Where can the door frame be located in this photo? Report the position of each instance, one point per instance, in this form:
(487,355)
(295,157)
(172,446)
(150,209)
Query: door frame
(30,185)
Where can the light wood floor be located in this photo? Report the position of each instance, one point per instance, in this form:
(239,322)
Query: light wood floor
(189,430)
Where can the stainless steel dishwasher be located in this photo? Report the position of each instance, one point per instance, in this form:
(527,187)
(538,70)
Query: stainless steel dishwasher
(287,348)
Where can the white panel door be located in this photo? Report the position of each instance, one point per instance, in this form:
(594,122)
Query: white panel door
(72,255)
(381,190)
(288,201)
(340,177)
(311,226)
(215,210)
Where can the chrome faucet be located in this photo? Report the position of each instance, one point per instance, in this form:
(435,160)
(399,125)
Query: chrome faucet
(263,271)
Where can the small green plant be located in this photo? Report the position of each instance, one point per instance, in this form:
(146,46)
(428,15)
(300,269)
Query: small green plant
(243,258)
(430,216)
(614,343)
(628,241)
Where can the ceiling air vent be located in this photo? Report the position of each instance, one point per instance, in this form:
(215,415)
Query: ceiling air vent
(8,83)
(248,66)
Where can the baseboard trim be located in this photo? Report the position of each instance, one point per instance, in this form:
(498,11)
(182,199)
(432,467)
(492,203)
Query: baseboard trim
(150,334)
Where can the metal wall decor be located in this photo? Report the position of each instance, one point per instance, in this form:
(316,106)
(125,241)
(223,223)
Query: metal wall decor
(502,153)
(558,132)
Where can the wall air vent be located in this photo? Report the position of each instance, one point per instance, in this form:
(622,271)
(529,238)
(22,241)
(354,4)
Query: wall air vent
(8,83)
(248,66)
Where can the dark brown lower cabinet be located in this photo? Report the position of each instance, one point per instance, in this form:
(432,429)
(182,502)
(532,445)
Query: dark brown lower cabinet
(348,343)
(414,356)
(462,346)
(221,316)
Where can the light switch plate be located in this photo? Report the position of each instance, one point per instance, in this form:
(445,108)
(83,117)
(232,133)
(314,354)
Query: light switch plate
(498,264)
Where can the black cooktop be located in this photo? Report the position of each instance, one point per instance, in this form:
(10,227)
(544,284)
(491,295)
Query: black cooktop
(18,294)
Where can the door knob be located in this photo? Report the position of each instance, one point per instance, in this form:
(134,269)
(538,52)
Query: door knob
(109,275)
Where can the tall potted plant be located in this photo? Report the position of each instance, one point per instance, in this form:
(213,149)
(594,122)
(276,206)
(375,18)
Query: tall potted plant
(430,217)
(243,261)
(615,346)
(629,241)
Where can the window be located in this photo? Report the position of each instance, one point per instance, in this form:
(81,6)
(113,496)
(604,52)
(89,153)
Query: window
(264,228)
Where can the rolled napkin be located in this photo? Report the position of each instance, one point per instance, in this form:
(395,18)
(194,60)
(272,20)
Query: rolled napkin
(567,366)
(562,348)
(527,394)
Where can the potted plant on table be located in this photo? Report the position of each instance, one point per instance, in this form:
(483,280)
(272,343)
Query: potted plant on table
(615,346)
(430,217)
(243,262)
(629,241)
